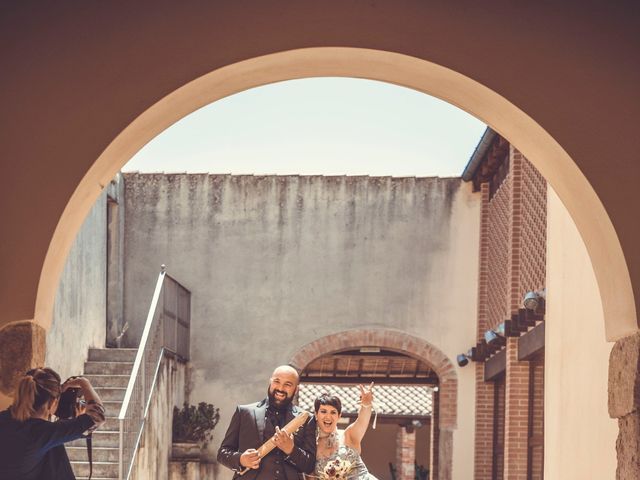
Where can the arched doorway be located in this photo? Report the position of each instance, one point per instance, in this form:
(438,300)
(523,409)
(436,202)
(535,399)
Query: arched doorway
(529,137)
(103,99)
(445,403)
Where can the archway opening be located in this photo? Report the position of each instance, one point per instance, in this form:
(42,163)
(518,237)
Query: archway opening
(512,123)
(398,361)
(402,439)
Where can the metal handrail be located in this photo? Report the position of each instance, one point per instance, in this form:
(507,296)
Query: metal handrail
(133,413)
(146,411)
(166,329)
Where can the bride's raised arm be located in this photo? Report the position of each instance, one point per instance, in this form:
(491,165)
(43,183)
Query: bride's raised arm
(355,432)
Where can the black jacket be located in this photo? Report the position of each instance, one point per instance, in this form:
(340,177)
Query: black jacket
(34,449)
(246,431)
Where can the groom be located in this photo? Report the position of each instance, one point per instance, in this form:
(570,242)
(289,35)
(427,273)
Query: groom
(253,424)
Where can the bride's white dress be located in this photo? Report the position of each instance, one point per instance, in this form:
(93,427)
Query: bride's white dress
(344,453)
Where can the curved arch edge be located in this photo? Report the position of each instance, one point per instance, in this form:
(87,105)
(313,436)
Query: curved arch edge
(530,138)
(393,340)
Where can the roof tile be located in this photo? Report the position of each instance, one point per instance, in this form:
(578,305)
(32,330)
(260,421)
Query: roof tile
(404,400)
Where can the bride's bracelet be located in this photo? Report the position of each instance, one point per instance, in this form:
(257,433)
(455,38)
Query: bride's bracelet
(362,405)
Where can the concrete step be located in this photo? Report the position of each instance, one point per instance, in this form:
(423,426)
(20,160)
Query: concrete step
(112,409)
(100,469)
(101,438)
(112,424)
(100,454)
(108,380)
(111,394)
(112,354)
(108,368)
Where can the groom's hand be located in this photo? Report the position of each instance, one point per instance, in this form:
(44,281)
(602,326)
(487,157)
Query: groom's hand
(283,441)
(250,459)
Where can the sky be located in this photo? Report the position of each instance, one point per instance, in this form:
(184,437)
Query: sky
(318,126)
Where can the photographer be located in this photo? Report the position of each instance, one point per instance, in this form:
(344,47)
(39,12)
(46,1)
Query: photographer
(31,445)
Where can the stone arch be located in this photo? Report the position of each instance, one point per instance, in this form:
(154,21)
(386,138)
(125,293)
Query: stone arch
(514,124)
(414,346)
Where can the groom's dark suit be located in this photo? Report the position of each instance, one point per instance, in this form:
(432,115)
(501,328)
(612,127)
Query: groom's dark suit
(250,427)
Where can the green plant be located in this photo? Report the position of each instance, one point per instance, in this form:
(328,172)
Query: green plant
(193,424)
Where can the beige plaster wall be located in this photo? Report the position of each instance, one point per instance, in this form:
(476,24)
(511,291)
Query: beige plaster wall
(274,263)
(79,312)
(579,435)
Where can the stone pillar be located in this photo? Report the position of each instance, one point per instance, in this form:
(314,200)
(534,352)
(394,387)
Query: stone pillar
(624,404)
(405,453)
(22,347)
(516,431)
(445,452)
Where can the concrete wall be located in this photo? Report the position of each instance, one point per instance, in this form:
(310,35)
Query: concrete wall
(80,306)
(579,435)
(274,263)
(152,460)
(115,261)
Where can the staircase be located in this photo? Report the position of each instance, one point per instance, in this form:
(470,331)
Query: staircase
(108,370)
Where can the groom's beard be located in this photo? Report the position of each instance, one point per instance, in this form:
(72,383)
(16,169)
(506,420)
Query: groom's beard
(279,404)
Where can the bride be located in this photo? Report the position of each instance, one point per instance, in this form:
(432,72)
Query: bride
(338,452)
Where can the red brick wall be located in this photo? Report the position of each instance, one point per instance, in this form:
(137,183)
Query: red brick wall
(527,272)
(498,466)
(498,250)
(483,454)
(529,224)
(435,438)
(516,414)
(512,262)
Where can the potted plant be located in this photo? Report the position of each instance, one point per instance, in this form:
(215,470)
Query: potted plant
(192,428)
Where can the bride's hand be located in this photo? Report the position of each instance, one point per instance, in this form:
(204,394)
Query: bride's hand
(366,395)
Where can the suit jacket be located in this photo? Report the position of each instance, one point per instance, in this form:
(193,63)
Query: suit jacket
(246,431)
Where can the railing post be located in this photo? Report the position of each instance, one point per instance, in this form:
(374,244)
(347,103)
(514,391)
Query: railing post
(121,449)
(136,388)
(143,380)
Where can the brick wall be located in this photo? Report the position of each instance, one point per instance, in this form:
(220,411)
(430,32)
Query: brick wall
(529,242)
(498,249)
(527,272)
(498,428)
(483,453)
(512,262)
(516,414)
(434,466)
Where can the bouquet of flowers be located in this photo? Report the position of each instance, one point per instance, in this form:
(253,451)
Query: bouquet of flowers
(336,468)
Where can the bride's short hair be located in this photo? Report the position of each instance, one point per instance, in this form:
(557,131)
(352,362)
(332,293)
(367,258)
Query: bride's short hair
(328,399)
